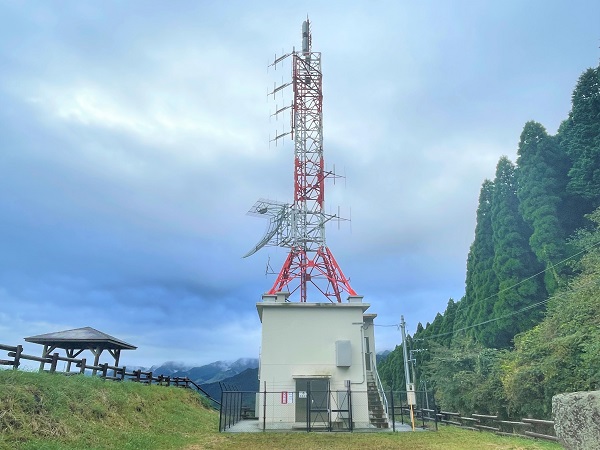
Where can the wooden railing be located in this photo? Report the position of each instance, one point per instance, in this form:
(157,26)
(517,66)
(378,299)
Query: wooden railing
(541,429)
(104,370)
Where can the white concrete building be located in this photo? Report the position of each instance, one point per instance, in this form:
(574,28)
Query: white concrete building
(322,355)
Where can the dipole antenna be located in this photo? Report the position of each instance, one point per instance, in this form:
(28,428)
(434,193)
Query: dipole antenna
(300,226)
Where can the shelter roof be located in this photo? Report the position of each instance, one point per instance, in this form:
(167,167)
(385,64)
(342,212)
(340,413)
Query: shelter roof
(79,338)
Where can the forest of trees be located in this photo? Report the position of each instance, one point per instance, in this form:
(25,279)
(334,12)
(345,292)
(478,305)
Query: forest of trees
(528,326)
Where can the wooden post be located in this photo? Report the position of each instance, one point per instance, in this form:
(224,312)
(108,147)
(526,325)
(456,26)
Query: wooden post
(104,370)
(82,370)
(54,362)
(117,356)
(44,354)
(123,373)
(96,352)
(69,355)
(17,357)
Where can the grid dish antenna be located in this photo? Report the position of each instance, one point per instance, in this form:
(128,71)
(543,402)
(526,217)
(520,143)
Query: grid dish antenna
(278,231)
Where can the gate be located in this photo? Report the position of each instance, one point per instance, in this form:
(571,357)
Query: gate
(315,408)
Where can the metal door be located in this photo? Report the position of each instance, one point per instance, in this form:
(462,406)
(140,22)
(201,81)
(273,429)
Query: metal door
(313,392)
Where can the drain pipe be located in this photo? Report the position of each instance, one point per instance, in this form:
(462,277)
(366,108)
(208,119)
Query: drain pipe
(362,352)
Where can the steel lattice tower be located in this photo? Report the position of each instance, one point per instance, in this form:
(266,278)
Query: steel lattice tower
(301,225)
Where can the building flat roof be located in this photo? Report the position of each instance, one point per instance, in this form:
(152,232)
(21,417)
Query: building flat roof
(296,305)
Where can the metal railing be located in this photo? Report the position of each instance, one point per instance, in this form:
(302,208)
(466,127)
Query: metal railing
(380,387)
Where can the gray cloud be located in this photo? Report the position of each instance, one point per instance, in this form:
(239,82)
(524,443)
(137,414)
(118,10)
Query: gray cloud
(135,137)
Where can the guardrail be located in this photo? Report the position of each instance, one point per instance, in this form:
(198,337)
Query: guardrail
(102,370)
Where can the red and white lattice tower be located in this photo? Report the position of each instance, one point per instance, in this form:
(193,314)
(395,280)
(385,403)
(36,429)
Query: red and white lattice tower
(301,225)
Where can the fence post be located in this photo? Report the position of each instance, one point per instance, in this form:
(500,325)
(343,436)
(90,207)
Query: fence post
(329,406)
(239,408)
(308,404)
(234,408)
(123,369)
(436,409)
(54,362)
(265,406)
(221,408)
(228,410)
(350,406)
(17,357)
(82,366)
(393,411)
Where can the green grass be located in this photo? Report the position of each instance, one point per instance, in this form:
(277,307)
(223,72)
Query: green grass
(447,438)
(52,412)
(46,411)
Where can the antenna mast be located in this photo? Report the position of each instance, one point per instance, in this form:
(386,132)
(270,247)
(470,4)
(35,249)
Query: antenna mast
(301,225)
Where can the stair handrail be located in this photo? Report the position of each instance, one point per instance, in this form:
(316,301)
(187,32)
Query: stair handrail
(380,387)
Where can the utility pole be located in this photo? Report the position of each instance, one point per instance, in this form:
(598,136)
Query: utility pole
(410,387)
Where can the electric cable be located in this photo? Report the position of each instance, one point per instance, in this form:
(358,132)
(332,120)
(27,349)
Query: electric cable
(513,313)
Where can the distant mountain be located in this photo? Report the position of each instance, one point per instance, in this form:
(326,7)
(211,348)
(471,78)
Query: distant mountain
(381,356)
(244,381)
(209,373)
(168,368)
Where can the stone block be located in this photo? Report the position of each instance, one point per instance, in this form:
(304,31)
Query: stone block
(577,420)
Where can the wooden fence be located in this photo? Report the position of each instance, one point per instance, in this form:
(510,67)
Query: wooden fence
(104,370)
(536,428)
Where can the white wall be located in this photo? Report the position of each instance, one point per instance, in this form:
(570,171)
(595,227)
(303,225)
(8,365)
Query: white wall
(299,341)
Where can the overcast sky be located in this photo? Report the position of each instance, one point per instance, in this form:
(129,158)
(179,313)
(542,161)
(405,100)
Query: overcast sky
(134,137)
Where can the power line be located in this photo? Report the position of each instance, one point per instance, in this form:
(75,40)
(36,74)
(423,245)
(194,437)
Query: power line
(526,308)
(541,272)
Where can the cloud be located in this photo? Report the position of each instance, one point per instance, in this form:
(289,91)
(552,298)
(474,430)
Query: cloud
(135,138)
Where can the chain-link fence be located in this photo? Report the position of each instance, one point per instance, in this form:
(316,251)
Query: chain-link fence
(415,409)
(313,406)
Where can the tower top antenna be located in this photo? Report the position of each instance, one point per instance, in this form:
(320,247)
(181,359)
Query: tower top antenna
(306,36)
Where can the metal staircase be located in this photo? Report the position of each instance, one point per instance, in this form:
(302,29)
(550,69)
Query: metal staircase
(378,415)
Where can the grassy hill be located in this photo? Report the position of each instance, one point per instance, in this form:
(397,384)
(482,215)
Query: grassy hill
(46,411)
(52,412)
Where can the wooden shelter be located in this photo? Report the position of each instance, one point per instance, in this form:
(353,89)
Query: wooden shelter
(76,341)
